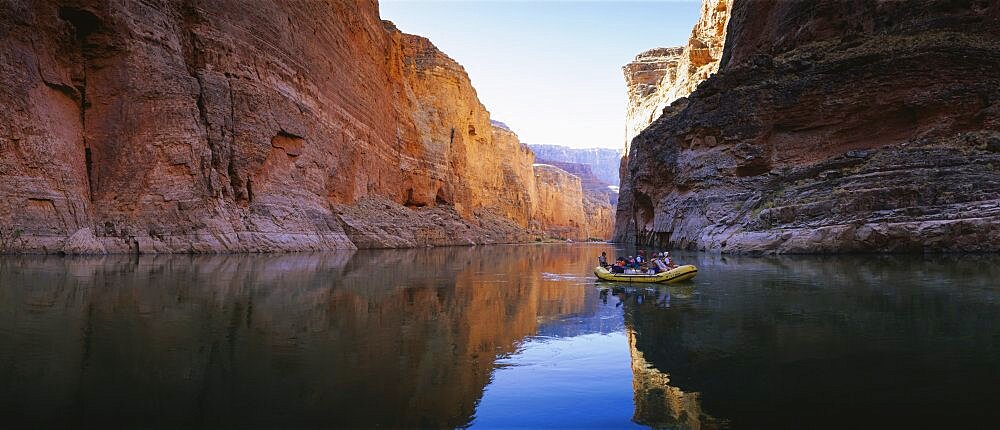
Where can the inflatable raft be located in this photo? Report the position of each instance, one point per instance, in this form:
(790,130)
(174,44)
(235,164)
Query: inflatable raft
(679,274)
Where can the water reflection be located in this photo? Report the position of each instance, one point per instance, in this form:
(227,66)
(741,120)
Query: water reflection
(498,337)
(377,338)
(658,404)
(821,342)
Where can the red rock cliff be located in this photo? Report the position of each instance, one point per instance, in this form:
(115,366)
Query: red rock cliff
(206,126)
(598,199)
(830,126)
(559,211)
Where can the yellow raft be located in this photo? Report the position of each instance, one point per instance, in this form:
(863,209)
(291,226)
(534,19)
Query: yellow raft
(679,274)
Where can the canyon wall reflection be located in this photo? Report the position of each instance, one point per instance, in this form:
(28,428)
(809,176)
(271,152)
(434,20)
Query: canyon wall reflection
(818,342)
(401,338)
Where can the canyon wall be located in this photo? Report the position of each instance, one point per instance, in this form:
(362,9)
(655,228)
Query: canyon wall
(603,161)
(598,199)
(178,128)
(465,181)
(831,126)
(224,126)
(597,169)
(659,76)
(560,211)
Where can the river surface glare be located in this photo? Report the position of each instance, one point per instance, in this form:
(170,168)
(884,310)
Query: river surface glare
(497,337)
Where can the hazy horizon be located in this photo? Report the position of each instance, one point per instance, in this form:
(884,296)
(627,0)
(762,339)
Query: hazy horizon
(550,70)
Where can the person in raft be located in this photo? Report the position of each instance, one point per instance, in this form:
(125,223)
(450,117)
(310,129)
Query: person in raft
(619,266)
(603,260)
(663,262)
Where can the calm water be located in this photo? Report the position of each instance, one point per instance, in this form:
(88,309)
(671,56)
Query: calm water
(497,337)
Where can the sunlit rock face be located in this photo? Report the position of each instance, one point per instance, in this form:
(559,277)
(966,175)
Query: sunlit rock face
(465,181)
(512,188)
(660,76)
(458,157)
(171,127)
(559,212)
(597,169)
(599,199)
(831,126)
(603,162)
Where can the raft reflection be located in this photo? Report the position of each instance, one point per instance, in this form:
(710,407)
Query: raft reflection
(402,338)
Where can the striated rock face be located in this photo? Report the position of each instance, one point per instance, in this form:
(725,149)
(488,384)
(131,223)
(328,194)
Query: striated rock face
(560,203)
(659,76)
(603,162)
(588,180)
(456,157)
(598,199)
(513,184)
(172,128)
(597,169)
(831,126)
(646,96)
(202,126)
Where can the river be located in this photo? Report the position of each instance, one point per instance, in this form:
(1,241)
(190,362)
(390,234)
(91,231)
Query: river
(497,337)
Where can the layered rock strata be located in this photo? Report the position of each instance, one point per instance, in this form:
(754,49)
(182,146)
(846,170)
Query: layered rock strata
(591,184)
(659,76)
(604,162)
(217,126)
(599,199)
(597,169)
(831,126)
(559,213)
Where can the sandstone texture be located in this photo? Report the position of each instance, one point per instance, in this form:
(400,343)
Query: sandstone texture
(560,211)
(599,199)
(831,126)
(597,169)
(83,242)
(243,126)
(659,76)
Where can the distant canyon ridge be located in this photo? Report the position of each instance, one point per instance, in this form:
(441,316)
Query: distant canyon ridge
(821,126)
(257,126)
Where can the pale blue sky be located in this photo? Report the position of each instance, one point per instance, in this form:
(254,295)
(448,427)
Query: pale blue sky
(551,70)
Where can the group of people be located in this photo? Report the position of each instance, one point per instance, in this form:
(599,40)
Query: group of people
(661,262)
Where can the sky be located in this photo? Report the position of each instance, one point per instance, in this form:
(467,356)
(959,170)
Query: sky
(551,70)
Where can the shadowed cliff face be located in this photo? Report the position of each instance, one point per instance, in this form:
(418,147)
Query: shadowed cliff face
(193,126)
(206,126)
(831,126)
